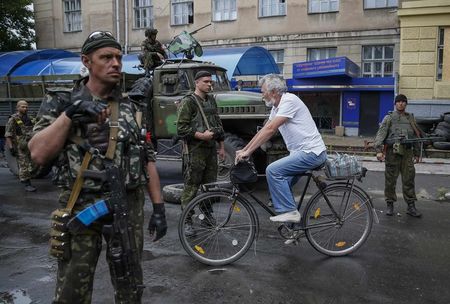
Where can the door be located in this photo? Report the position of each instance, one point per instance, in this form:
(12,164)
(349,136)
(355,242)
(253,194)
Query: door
(368,113)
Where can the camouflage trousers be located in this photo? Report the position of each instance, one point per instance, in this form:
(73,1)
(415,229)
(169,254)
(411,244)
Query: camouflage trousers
(199,167)
(404,165)
(75,277)
(25,164)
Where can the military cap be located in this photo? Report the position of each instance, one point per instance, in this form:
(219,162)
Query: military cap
(400,97)
(98,40)
(201,74)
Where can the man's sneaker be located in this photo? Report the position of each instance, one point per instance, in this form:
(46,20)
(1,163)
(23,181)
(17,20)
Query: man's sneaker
(292,217)
(30,188)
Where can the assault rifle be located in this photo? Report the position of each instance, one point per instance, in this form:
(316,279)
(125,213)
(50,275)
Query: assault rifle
(123,252)
(405,140)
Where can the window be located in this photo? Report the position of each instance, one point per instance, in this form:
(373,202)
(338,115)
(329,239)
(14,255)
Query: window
(321,53)
(182,12)
(224,10)
(323,6)
(380,3)
(269,8)
(143,14)
(278,56)
(72,15)
(440,54)
(378,61)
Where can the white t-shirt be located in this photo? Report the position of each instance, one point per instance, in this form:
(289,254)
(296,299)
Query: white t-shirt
(299,131)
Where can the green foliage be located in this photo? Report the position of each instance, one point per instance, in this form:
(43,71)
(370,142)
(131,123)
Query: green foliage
(16,25)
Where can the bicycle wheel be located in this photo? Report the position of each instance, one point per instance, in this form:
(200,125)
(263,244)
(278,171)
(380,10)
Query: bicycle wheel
(217,228)
(340,224)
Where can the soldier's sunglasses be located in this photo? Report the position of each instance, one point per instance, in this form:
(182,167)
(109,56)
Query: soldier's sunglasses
(100,34)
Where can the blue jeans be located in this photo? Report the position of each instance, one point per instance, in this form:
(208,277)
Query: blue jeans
(283,174)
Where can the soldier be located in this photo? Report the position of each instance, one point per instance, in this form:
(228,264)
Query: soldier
(153,53)
(399,158)
(96,116)
(199,126)
(18,133)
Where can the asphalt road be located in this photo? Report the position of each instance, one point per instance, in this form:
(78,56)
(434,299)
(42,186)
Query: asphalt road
(405,260)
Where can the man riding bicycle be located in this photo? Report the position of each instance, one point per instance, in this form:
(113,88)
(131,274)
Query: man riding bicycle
(291,117)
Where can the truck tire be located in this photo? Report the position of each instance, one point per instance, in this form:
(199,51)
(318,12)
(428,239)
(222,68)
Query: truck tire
(38,172)
(232,143)
(441,145)
(172,193)
(12,162)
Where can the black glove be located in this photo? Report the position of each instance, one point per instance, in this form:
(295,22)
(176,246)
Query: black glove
(158,222)
(85,108)
(13,151)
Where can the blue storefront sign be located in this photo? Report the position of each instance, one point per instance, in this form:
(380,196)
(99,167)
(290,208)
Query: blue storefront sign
(337,66)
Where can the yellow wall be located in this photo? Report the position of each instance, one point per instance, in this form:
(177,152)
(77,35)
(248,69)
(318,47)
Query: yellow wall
(419,26)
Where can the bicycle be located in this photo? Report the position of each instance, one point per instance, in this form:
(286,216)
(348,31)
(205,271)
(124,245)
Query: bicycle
(336,221)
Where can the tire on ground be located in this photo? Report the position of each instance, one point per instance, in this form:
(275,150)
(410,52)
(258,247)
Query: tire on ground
(172,193)
(441,145)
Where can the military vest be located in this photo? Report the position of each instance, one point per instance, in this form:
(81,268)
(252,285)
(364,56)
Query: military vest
(129,154)
(401,125)
(209,108)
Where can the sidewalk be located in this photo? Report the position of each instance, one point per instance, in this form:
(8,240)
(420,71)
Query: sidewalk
(355,144)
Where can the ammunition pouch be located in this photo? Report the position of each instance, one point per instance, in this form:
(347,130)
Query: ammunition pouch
(60,235)
(398,148)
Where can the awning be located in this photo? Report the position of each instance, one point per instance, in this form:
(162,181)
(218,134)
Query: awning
(35,60)
(241,61)
(238,61)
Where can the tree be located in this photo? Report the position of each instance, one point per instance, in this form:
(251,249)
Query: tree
(16,25)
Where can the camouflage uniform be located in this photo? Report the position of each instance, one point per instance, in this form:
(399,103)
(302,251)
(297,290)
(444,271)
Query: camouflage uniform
(199,157)
(150,48)
(394,125)
(75,276)
(19,129)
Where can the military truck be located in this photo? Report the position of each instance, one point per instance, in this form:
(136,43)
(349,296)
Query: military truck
(242,113)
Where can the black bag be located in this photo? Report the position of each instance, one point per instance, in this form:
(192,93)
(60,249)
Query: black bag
(243,173)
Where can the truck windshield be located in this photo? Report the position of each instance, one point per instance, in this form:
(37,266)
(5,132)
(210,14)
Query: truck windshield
(220,80)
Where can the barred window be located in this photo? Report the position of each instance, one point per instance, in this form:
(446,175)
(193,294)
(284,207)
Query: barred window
(440,54)
(278,56)
(380,3)
(378,61)
(321,53)
(143,14)
(269,8)
(323,6)
(72,15)
(224,10)
(182,12)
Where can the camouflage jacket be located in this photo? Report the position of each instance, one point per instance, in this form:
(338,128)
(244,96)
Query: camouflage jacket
(153,46)
(131,154)
(19,126)
(394,125)
(190,120)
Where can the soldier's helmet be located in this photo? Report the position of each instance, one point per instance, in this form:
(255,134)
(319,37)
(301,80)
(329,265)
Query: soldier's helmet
(149,32)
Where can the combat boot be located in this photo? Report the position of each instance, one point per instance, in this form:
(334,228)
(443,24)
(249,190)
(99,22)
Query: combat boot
(412,211)
(28,186)
(390,208)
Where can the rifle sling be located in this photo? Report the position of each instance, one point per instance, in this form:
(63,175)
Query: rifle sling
(201,111)
(78,181)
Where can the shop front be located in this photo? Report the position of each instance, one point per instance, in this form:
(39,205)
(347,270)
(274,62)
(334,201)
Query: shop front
(336,97)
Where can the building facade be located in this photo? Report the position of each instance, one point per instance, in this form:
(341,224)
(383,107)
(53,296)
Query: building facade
(425,56)
(366,32)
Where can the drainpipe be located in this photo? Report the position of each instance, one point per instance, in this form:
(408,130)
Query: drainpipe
(117,21)
(126,27)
